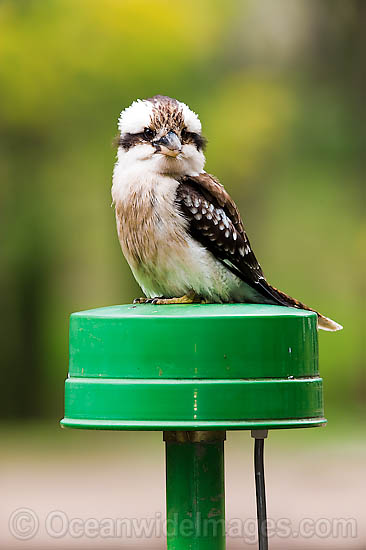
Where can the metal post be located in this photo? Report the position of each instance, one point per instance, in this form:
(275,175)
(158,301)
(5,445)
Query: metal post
(195,490)
(260,489)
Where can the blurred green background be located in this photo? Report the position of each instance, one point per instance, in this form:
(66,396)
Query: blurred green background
(280,89)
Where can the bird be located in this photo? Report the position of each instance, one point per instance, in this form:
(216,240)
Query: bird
(180,231)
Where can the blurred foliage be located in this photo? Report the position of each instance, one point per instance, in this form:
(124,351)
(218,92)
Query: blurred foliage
(280,88)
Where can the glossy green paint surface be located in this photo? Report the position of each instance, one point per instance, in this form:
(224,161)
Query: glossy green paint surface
(195,495)
(234,366)
(193,341)
(193,400)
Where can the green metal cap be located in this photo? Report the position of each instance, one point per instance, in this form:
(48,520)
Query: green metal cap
(214,366)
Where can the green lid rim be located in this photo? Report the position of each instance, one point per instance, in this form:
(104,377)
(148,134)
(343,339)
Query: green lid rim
(190,425)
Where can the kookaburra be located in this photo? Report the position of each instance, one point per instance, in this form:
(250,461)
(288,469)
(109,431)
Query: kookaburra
(179,229)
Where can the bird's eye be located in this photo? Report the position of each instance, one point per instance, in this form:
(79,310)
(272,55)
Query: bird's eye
(184,133)
(149,134)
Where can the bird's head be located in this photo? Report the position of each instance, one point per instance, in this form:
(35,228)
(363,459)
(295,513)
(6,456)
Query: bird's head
(162,135)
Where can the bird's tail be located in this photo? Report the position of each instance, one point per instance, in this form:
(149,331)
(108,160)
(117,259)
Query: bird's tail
(283,299)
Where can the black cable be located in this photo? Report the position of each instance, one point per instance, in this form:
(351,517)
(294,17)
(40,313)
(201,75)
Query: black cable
(260,491)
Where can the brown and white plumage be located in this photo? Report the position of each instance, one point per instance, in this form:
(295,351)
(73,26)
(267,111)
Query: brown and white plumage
(179,229)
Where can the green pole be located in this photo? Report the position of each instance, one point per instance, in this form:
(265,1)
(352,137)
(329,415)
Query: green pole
(195,490)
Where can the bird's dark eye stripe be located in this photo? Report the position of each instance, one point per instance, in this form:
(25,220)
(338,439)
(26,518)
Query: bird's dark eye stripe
(197,139)
(200,141)
(126,141)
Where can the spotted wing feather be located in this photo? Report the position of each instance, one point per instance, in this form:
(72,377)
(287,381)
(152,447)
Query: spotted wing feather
(215,222)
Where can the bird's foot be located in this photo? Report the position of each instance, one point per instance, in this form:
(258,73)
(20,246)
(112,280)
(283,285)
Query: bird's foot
(140,301)
(147,300)
(189,298)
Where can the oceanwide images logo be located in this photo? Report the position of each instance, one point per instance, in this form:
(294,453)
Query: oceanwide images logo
(25,524)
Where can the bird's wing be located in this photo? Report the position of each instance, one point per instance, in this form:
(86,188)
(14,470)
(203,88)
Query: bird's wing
(215,222)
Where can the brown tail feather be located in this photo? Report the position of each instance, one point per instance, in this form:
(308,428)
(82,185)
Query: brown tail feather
(282,298)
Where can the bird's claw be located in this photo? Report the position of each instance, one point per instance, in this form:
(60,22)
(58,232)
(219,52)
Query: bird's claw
(139,301)
(154,300)
(147,300)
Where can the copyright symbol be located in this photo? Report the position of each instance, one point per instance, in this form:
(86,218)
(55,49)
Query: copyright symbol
(23,524)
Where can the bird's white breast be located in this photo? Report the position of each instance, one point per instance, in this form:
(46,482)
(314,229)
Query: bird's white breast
(164,258)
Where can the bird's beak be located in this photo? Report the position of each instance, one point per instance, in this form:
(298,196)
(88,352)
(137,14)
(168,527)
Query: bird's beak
(169,145)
